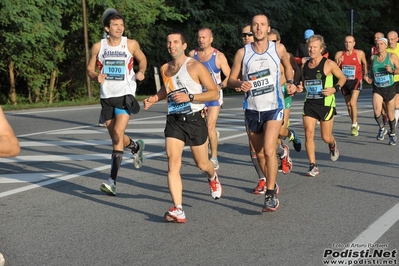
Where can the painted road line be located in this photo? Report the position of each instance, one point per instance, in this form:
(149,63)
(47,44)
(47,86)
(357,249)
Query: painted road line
(29,177)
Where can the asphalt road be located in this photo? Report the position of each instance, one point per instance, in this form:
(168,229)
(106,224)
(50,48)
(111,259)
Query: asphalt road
(53,213)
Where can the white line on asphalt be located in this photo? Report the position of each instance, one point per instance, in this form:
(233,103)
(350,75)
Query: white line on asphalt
(88,126)
(28,177)
(86,172)
(50,143)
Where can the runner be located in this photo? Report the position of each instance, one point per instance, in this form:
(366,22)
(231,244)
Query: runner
(113,57)
(183,79)
(282,149)
(318,73)
(393,47)
(216,63)
(9,144)
(353,64)
(259,63)
(374,51)
(384,65)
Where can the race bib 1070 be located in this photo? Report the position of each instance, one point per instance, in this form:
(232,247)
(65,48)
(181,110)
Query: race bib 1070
(115,69)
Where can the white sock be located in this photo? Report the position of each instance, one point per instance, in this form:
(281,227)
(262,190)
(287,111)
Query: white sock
(354,125)
(213,178)
(396,116)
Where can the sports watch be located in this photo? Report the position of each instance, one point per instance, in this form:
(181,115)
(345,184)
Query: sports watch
(191,96)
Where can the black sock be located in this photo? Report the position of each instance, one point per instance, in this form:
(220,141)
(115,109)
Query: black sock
(392,126)
(133,146)
(380,121)
(270,192)
(117,157)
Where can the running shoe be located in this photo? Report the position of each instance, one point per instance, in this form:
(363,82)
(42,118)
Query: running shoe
(110,190)
(175,214)
(271,203)
(276,189)
(261,188)
(313,170)
(294,139)
(138,158)
(286,162)
(381,133)
(280,168)
(355,130)
(392,139)
(215,163)
(334,153)
(216,187)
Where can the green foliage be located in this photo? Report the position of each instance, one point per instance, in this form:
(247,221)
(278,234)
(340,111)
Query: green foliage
(31,32)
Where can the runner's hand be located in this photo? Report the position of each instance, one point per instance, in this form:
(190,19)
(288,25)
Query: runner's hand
(150,101)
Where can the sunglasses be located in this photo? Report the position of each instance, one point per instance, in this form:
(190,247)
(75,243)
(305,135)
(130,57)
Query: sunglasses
(245,34)
(273,40)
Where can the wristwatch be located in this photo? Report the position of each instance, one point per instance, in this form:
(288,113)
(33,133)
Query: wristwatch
(221,85)
(191,96)
(337,88)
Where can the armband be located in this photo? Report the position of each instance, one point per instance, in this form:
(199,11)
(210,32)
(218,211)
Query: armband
(337,87)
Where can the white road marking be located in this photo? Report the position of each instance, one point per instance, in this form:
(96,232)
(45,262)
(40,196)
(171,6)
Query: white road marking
(78,143)
(28,177)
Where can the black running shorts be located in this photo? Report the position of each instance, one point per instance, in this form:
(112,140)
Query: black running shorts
(387,93)
(397,87)
(190,128)
(316,109)
(127,103)
(352,85)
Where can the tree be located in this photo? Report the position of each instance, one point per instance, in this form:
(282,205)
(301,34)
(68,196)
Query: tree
(31,33)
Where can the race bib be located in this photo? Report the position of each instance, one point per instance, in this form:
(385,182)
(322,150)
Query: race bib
(381,79)
(115,69)
(262,82)
(314,87)
(178,108)
(349,71)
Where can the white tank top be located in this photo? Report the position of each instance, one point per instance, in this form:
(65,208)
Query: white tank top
(117,63)
(263,71)
(182,82)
